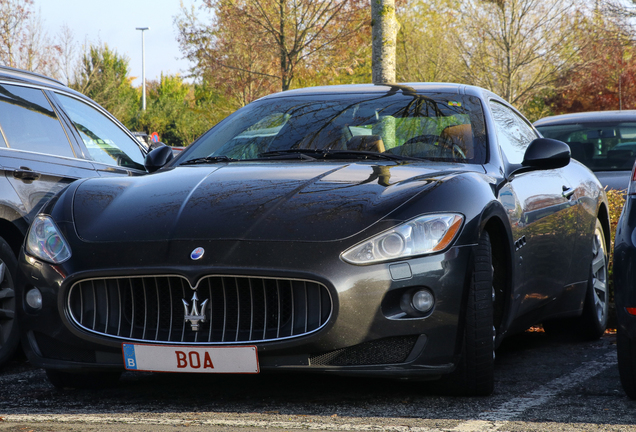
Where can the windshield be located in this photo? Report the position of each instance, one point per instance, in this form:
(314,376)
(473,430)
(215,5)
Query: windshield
(609,146)
(438,126)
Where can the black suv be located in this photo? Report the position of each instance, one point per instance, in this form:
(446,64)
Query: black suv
(50,136)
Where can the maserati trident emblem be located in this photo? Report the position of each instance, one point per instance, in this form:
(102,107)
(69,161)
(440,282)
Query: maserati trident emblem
(197,253)
(194,316)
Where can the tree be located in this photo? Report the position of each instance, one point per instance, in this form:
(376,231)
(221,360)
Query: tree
(224,52)
(425,48)
(261,42)
(68,63)
(384,30)
(516,48)
(23,42)
(174,112)
(606,78)
(104,77)
(621,9)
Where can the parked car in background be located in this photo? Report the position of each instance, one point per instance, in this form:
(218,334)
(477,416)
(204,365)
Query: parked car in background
(625,290)
(50,136)
(605,141)
(389,231)
(149,144)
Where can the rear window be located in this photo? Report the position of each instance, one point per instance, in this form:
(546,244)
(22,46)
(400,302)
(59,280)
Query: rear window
(28,122)
(607,146)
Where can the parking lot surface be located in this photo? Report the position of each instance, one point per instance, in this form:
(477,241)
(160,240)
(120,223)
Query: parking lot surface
(543,383)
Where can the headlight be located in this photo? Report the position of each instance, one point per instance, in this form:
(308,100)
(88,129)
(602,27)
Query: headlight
(46,242)
(423,235)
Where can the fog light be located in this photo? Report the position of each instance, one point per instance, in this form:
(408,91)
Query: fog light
(34,298)
(423,300)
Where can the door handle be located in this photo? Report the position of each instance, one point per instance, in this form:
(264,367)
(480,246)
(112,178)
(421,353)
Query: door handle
(567,192)
(26,174)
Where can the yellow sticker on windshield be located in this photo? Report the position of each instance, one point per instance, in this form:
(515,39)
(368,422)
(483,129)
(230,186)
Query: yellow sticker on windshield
(454,103)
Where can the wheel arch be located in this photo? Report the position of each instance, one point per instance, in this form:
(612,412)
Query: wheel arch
(495,222)
(502,265)
(13,232)
(603,216)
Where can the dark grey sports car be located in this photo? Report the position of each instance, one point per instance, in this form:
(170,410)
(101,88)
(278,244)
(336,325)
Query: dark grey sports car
(396,231)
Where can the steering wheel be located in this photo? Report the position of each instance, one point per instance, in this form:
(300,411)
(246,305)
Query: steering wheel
(424,145)
(457,150)
(424,139)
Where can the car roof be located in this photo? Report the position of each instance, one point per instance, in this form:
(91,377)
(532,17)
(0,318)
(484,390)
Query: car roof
(9,74)
(386,88)
(588,117)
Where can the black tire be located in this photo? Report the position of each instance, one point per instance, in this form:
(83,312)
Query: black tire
(596,307)
(626,348)
(82,380)
(9,334)
(474,375)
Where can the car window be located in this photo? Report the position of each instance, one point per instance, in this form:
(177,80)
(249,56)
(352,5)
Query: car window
(106,142)
(513,133)
(29,122)
(602,146)
(445,127)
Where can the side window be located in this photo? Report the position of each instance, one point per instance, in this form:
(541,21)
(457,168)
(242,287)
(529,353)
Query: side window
(29,122)
(105,140)
(513,133)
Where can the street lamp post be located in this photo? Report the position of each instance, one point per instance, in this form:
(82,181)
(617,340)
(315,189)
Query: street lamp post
(143,69)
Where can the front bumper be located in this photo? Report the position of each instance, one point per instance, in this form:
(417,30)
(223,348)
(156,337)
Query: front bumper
(366,333)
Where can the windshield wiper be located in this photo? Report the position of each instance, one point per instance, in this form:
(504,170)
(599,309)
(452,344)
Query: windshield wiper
(209,160)
(282,155)
(338,154)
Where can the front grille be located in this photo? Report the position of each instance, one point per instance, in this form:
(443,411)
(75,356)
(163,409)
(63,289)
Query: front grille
(382,351)
(238,309)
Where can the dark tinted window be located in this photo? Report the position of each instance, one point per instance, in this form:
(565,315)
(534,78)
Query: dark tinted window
(606,146)
(436,126)
(513,133)
(105,140)
(29,122)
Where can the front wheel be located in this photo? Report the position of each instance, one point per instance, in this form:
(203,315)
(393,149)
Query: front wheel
(596,306)
(9,335)
(474,375)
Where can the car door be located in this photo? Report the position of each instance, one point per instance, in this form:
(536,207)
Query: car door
(102,139)
(542,210)
(37,157)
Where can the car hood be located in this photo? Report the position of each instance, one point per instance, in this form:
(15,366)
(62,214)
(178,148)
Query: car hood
(249,201)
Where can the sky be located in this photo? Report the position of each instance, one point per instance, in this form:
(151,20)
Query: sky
(114,21)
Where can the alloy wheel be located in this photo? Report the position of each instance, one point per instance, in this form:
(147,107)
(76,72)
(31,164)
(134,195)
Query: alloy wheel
(599,274)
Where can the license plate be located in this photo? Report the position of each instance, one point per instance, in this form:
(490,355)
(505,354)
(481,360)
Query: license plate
(175,358)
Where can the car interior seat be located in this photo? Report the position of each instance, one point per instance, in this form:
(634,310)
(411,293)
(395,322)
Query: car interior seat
(581,151)
(371,143)
(462,137)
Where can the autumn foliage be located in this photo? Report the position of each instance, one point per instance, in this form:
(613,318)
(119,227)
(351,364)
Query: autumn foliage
(544,56)
(250,48)
(605,79)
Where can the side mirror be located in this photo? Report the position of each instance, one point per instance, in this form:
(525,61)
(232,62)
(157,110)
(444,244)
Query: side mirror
(546,153)
(157,158)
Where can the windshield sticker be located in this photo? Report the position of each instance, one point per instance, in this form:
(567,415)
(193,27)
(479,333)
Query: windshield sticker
(453,103)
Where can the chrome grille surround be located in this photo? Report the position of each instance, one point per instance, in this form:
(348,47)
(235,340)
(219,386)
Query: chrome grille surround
(241,309)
